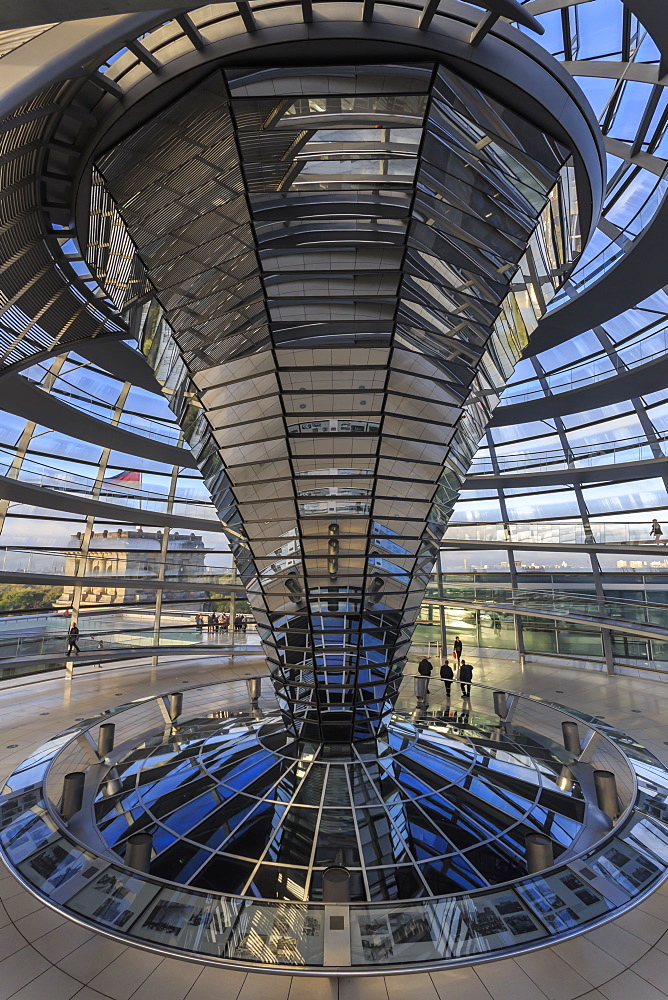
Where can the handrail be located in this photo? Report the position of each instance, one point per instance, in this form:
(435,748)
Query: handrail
(574,457)
(567,532)
(40,473)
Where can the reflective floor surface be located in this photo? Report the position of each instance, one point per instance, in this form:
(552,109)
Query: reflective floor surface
(243,808)
(43,955)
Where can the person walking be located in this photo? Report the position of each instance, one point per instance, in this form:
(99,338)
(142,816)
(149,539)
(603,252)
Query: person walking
(73,638)
(457,650)
(465,678)
(209,624)
(657,531)
(447,676)
(425,668)
(215,621)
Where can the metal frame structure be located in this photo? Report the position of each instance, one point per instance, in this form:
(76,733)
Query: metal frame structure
(626,60)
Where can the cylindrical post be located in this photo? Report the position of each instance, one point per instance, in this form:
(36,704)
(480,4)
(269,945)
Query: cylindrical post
(500,704)
(539,852)
(138,852)
(105,739)
(606,793)
(571,735)
(420,685)
(254,685)
(73,789)
(175,704)
(336,885)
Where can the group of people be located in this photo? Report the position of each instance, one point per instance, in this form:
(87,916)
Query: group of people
(459,670)
(215,624)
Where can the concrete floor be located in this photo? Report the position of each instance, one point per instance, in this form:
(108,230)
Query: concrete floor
(45,957)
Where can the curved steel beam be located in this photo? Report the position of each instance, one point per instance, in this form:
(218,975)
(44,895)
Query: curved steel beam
(24,399)
(33,12)
(637,274)
(60,52)
(637,381)
(622,472)
(121,361)
(39,496)
(642,270)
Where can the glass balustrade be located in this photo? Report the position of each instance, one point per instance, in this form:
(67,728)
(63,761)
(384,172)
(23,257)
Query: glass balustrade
(586,886)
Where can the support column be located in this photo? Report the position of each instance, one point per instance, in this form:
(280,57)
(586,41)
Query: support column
(230,626)
(608,653)
(164,550)
(441,610)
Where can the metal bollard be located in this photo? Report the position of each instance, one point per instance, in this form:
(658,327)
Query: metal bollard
(105,739)
(254,685)
(175,706)
(571,735)
(420,685)
(605,784)
(336,885)
(138,852)
(539,852)
(501,704)
(73,789)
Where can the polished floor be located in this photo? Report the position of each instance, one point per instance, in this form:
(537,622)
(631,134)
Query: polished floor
(44,956)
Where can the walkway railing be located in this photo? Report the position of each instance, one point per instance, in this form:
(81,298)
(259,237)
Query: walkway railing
(628,615)
(99,637)
(40,473)
(133,565)
(556,533)
(603,453)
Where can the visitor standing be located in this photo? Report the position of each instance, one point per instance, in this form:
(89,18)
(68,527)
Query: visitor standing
(465,678)
(425,668)
(447,676)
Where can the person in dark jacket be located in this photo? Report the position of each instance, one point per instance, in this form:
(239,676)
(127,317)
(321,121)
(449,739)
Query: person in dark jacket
(457,649)
(656,530)
(447,675)
(425,668)
(73,638)
(465,678)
